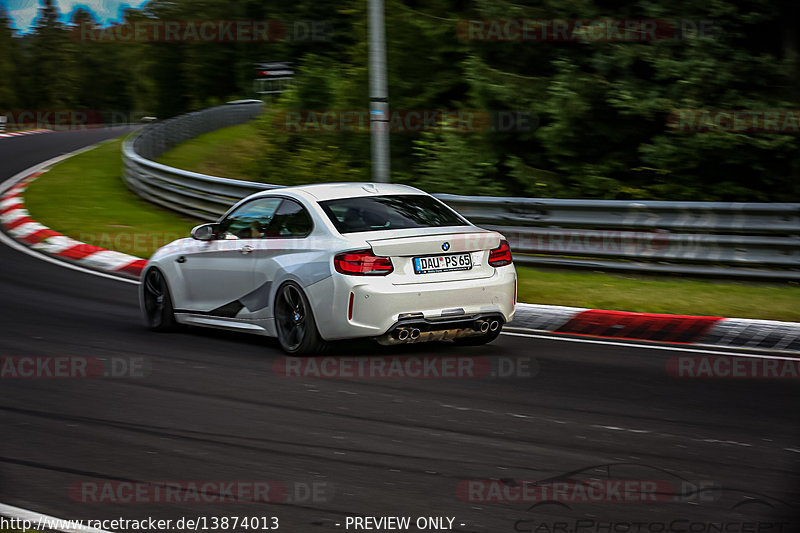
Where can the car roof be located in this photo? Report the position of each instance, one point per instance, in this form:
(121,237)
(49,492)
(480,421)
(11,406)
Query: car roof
(332,191)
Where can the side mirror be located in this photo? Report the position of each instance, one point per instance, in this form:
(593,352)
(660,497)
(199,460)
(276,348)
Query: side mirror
(205,232)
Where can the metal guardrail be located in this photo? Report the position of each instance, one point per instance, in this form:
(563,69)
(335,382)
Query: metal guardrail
(747,240)
(190,193)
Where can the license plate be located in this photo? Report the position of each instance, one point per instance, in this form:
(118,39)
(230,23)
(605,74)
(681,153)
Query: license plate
(442,263)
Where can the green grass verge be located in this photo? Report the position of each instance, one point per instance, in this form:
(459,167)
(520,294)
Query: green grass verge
(227,152)
(660,294)
(84,197)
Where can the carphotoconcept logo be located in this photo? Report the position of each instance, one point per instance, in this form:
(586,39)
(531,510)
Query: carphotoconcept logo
(567,496)
(605,483)
(626,525)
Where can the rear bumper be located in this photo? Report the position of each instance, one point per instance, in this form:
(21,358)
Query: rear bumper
(379,306)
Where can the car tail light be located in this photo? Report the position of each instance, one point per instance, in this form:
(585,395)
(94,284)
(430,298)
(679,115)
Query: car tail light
(500,256)
(362,263)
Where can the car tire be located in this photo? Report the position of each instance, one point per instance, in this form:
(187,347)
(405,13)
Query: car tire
(480,340)
(159,315)
(294,322)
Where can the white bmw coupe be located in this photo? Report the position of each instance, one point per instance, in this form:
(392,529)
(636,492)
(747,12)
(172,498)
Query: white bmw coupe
(318,263)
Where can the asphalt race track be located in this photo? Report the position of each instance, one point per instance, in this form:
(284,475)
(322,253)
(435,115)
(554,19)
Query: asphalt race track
(209,406)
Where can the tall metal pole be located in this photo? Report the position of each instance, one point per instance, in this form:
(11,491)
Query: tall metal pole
(379,96)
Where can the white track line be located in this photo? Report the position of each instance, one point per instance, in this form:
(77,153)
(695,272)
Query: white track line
(41,521)
(650,346)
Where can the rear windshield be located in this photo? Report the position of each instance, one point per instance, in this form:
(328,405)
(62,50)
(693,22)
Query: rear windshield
(375,213)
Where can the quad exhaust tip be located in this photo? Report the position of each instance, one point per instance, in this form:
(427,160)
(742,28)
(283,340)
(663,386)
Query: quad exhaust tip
(407,334)
(404,334)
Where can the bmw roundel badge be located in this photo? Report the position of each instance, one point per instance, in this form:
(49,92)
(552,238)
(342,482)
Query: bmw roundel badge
(446,246)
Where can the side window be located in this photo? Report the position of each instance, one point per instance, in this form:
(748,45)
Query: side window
(290,220)
(251,220)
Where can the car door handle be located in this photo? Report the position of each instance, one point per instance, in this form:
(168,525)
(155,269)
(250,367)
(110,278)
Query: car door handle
(246,249)
(181,259)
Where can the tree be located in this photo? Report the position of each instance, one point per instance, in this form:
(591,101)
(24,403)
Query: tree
(600,108)
(8,70)
(53,84)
